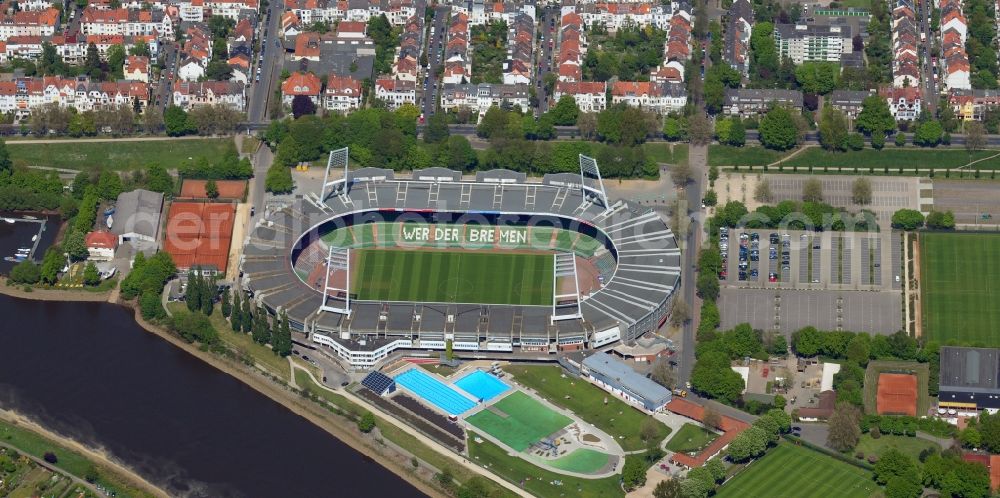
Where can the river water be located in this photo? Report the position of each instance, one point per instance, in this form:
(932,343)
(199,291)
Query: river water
(87,370)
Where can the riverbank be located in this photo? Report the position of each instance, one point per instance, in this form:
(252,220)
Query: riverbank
(37,294)
(99,458)
(302,407)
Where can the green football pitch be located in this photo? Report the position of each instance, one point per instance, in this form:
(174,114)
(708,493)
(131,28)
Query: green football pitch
(789,471)
(453,277)
(960,287)
(519,420)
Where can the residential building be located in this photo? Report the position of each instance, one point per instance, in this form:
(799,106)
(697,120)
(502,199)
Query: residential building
(677,48)
(590,96)
(659,97)
(127,22)
(136,68)
(812,42)
(747,103)
(396,93)
(28,23)
(905,65)
(848,101)
(342,94)
(954,59)
(518,67)
(479,98)
(736,49)
(301,83)
(191,94)
(904,103)
(973,104)
(457,65)
(616,377)
(572,48)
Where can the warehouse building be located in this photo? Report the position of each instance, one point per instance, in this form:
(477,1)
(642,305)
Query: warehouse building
(969,379)
(616,377)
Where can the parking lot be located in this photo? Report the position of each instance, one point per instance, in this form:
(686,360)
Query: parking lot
(889,194)
(774,259)
(790,310)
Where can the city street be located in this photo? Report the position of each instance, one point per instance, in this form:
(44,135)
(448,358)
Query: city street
(435,49)
(270,69)
(549,26)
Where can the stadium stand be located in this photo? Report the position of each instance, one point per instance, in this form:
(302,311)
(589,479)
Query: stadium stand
(634,251)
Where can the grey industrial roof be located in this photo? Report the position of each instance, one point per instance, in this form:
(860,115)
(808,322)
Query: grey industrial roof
(612,368)
(137,212)
(969,369)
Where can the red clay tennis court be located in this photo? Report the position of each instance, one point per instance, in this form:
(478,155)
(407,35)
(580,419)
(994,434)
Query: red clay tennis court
(198,234)
(897,394)
(228,189)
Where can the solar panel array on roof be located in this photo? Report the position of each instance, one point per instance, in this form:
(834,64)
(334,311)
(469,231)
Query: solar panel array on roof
(379,383)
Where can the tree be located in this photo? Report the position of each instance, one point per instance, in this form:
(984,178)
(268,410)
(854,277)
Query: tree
(711,418)
(975,136)
(302,105)
(695,487)
(971,437)
(817,77)
(833,129)
(681,173)
(861,191)
(710,199)
(875,117)
(208,291)
(894,463)
(236,316)
(176,122)
(75,246)
(778,130)
(859,349)
(737,133)
(663,375)
(928,134)
(437,128)
(211,189)
(713,376)
(565,112)
(900,140)
(812,190)
(649,430)
(116,61)
(281,340)
(748,444)
(192,296)
(699,129)
(674,129)
(367,422)
(227,304)
(844,425)
(151,307)
(25,272)
(261,330)
(762,191)
(90,274)
(278,179)
(669,488)
(907,219)
(109,185)
(5,163)
(52,264)
(634,473)
(940,220)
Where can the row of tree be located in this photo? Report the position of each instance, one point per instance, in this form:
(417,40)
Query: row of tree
(911,219)
(245,317)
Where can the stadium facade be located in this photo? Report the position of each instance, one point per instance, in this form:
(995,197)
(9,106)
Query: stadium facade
(638,261)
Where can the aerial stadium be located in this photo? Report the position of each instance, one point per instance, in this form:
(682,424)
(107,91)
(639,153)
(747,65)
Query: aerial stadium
(373,263)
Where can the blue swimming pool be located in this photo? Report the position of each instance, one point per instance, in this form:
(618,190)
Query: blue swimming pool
(482,385)
(434,391)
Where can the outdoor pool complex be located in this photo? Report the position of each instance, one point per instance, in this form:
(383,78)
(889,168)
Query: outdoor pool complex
(434,391)
(482,385)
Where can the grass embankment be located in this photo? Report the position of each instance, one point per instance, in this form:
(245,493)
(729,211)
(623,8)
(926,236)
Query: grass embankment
(620,420)
(750,155)
(537,481)
(795,471)
(68,460)
(394,434)
(960,282)
(116,155)
(893,158)
(242,344)
(691,438)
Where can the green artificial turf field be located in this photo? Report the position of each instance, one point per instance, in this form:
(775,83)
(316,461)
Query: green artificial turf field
(518,420)
(795,471)
(960,287)
(453,276)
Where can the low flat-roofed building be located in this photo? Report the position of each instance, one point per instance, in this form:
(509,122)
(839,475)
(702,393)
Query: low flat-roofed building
(618,378)
(968,378)
(137,216)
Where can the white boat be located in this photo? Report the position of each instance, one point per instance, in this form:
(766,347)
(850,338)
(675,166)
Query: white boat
(9,220)
(30,217)
(34,238)
(108,221)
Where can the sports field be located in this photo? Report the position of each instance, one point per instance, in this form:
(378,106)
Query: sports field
(795,471)
(453,276)
(518,420)
(960,287)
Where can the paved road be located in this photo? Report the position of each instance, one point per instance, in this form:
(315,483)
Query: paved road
(698,160)
(549,26)
(435,50)
(270,69)
(164,91)
(929,84)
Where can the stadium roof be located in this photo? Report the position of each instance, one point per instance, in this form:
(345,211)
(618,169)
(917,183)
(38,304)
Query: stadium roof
(612,368)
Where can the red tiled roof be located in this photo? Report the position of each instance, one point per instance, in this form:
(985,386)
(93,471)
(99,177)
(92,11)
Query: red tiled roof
(101,240)
(300,83)
(730,427)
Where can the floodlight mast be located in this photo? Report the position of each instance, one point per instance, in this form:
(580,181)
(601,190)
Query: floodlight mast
(588,165)
(338,159)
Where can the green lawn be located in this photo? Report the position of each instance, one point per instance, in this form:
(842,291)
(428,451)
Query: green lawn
(909,445)
(666,152)
(451,276)
(116,155)
(539,482)
(960,286)
(691,438)
(797,472)
(584,461)
(724,155)
(892,158)
(518,420)
(620,420)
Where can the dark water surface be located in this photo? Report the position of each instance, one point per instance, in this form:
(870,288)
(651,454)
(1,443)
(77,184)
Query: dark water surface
(88,371)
